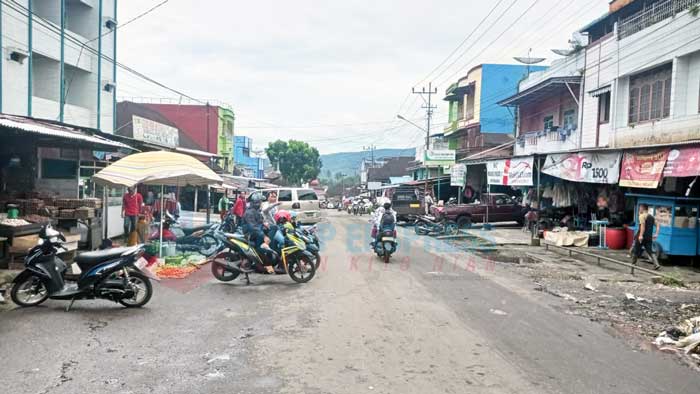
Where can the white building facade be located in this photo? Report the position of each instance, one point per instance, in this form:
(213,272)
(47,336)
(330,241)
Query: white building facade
(57,61)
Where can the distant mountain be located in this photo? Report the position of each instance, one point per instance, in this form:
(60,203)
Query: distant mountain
(349,162)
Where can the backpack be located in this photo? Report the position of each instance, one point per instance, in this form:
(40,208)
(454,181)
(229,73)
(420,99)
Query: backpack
(387,220)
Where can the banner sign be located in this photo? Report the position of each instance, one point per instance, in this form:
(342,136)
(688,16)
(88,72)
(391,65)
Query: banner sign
(683,162)
(458,176)
(442,157)
(584,167)
(516,171)
(644,168)
(152,131)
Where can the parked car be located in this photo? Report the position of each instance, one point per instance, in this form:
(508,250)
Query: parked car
(303,201)
(407,203)
(500,207)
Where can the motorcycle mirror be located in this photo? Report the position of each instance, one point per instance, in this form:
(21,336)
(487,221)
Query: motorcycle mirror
(61,237)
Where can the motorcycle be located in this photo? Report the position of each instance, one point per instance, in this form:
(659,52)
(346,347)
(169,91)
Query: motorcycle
(112,274)
(308,237)
(385,243)
(429,225)
(236,249)
(198,239)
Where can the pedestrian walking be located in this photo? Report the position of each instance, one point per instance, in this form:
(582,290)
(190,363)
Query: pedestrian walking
(645,236)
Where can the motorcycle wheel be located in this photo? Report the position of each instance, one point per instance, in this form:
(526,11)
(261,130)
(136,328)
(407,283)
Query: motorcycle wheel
(451,228)
(218,269)
(386,258)
(208,245)
(317,256)
(301,269)
(144,291)
(420,229)
(29,291)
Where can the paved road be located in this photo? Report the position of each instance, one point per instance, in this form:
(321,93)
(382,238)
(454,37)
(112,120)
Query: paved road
(432,321)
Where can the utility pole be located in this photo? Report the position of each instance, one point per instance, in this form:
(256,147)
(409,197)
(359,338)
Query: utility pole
(370,148)
(428,108)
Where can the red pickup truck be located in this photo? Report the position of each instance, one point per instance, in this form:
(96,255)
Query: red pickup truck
(501,208)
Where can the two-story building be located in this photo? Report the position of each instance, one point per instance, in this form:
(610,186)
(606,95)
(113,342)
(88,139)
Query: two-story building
(476,121)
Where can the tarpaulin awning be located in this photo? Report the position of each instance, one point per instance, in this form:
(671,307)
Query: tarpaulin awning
(683,162)
(48,129)
(643,168)
(158,168)
(600,91)
(589,167)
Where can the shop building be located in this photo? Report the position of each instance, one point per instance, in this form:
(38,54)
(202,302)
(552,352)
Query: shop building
(46,71)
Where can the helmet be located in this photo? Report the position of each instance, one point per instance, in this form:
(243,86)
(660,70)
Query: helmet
(282,216)
(256,199)
(387,205)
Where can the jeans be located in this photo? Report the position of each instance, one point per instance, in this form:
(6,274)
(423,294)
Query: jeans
(130,224)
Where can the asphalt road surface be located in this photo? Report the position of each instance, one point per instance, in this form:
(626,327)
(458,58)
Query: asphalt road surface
(432,321)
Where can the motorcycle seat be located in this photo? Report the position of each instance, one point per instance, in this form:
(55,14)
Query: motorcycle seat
(89,259)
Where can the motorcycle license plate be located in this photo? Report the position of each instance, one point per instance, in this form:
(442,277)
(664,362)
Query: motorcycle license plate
(414,205)
(141,263)
(388,239)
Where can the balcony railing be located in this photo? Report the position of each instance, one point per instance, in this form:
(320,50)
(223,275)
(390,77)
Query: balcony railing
(653,14)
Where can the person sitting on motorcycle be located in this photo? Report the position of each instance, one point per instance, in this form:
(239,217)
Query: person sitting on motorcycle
(378,218)
(254,221)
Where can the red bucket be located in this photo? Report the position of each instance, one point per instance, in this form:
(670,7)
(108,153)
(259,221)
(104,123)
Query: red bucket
(630,237)
(616,238)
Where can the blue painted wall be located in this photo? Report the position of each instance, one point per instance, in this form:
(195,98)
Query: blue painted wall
(500,81)
(241,156)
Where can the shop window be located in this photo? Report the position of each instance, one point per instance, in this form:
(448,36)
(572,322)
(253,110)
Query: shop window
(604,108)
(650,95)
(58,169)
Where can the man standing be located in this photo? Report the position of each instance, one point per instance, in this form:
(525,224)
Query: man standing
(131,207)
(428,201)
(645,236)
(239,208)
(223,205)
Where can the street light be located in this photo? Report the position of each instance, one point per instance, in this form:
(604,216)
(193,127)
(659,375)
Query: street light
(408,121)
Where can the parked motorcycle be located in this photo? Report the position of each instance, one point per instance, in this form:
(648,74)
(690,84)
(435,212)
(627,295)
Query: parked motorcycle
(308,236)
(112,274)
(236,250)
(198,239)
(429,225)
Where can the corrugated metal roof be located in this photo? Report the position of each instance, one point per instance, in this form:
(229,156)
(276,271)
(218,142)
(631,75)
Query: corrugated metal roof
(30,125)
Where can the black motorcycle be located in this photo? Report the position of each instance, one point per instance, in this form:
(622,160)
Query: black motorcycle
(385,244)
(429,225)
(198,239)
(112,274)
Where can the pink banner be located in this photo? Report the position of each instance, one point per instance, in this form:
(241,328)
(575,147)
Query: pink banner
(683,162)
(643,168)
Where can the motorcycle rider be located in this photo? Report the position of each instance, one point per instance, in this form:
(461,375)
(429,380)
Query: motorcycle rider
(254,221)
(378,218)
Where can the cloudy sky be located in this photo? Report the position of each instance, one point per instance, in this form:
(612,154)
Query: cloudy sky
(333,73)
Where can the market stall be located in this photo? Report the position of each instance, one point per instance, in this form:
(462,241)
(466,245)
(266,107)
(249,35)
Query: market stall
(158,168)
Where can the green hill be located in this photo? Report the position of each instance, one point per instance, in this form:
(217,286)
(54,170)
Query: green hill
(349,162)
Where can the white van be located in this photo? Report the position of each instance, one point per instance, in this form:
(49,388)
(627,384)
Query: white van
(302,201)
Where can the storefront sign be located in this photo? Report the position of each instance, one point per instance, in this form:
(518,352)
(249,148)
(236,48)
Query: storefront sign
(510,172)
(152,131)
(442,157)
(644,168)
(683,162)
(458,176)
(584,167)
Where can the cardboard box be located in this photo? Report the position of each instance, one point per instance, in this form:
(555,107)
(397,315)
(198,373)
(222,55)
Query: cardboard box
(25,243)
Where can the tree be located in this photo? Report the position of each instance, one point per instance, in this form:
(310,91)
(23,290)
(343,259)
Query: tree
(297,160)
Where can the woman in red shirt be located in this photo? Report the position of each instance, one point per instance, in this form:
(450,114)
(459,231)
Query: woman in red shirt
(239,207)
(131,207)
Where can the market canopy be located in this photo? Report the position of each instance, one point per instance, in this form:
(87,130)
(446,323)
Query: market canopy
(158,168)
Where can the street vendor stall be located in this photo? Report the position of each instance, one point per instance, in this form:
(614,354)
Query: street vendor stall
(677,218)
(158,168)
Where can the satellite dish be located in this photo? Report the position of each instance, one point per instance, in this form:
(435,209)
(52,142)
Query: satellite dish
(563,52)
(530,60)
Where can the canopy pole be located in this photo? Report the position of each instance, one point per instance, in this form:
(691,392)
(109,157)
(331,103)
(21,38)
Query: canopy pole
(208,204)
(162,217)
(196,193)
(105,213)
